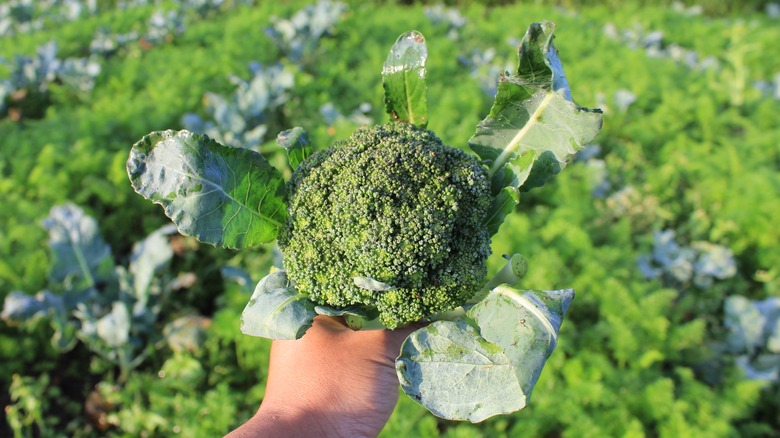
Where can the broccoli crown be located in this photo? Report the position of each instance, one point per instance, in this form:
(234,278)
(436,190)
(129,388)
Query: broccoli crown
(394,204)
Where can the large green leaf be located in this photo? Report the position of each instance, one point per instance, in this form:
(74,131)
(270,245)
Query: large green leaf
(230,197)
(276,310)
(403,77)
(533,125)
(525,324)
(462,372)
(456,374)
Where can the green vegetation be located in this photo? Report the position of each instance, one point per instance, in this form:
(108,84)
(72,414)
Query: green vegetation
(694,151)
(392,227)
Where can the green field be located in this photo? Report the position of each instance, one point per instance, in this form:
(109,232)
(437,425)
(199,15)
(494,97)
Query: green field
(666,226)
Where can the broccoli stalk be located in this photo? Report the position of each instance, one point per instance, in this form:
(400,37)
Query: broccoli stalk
(510,274)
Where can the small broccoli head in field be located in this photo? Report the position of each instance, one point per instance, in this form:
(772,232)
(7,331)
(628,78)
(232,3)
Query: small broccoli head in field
(394,204)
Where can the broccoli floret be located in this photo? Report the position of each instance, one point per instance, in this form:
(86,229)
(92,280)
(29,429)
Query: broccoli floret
(394,204)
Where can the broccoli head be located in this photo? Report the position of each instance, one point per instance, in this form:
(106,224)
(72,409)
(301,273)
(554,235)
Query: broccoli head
(394,204)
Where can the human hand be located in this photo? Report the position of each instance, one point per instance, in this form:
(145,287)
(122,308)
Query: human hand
(333,382)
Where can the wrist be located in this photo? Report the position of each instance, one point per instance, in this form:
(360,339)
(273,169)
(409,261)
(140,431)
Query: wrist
(293,421)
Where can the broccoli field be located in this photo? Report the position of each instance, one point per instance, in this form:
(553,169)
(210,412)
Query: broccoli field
(666,225)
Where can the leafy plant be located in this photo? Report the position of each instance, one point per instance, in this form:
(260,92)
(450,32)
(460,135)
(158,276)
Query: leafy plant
(17,16)
(106,44)
(27,92)
(753,335)
(493,341)
(25,415)
(163,26)
(23,16)
(632,353)
(655,46)
(769,89)
(112,309)
(297,36)
(243,119)
(360,116)
(702,262)
(451,18)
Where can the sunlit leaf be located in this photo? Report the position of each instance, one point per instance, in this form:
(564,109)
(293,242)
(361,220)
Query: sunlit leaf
(456,374)
(403,77)
(525,324)
(276,310)
(533,125)
(228,197)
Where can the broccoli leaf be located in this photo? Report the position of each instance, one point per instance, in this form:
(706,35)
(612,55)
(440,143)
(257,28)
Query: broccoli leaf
(460,372)
(148,257)
(114,327)
(186,333)
(237,275)
(525,324)
(230,197)
(276,310)
(297,144)
(19,307)
(752,325)
(533,125)
(77,247)
(545,166)
(403,78)
(456,374)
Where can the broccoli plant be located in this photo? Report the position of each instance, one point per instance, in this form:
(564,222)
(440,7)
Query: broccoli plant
(753,335)
(702,262)
(391,226)
(163,26)
(26,93)
(243,118)
(24,16)
(451,18)
(297,36)
(112,309)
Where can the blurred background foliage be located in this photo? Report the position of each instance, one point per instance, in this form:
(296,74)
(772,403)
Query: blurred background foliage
(666,226)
